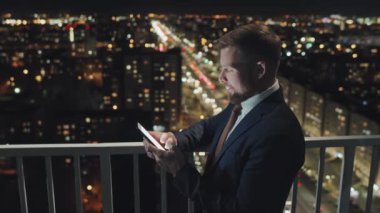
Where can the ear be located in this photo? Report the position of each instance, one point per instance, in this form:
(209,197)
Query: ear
(261,69)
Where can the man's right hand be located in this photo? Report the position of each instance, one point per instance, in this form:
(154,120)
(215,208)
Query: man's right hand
(167,139)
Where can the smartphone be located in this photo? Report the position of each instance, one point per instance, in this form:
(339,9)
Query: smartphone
(149,137)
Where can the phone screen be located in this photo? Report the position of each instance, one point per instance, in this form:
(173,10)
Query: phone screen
(149,137)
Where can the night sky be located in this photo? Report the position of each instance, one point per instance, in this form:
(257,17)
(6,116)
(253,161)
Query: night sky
(361,7)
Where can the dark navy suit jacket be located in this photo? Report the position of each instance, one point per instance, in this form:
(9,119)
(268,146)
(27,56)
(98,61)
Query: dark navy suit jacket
(256,166)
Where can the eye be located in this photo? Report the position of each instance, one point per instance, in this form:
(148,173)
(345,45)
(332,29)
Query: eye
(227,69)
(222,69)
(230,69)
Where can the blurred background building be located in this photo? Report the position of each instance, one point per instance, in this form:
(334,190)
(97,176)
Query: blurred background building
(90,77)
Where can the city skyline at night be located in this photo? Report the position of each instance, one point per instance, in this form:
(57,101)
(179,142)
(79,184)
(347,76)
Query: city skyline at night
(88,78)
(92,59)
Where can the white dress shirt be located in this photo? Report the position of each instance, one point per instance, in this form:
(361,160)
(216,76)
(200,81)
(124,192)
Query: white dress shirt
(252,102)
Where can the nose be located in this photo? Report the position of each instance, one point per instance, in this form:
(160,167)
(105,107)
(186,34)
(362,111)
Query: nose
(222,77)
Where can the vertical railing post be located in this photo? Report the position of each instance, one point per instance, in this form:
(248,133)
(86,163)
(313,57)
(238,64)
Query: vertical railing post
(321,169)
(346,179)
(106,179)
(21,185)
(78,185)
(50,184)
(164,198)
(294,194)
(136,182)
(190,206)
(372,177)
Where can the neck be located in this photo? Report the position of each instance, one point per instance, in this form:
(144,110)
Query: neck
(267,83)
(261,88)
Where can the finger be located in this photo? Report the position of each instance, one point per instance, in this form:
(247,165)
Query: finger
(164,137)
(149,147)
(150,155)
(156,135)
(169,144)
(152,148)
(156,158)
(146,145)
(169,140)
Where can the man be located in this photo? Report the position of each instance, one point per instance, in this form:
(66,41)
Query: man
(255,150)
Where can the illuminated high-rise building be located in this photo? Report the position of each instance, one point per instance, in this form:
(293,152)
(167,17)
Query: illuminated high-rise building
(112,77)
(360,125)
(335,120)
(297,101)
(285,86)
(71,34)
(313,114)
(153,83)
(97,127)
(21,129)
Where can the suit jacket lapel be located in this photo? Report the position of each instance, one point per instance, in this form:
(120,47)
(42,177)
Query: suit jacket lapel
(248,122)
(214,143)
(252,118)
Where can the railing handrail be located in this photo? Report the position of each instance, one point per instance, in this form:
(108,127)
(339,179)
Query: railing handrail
(329,141)
(74,145)
(104,150)
(71,149)
(341,141)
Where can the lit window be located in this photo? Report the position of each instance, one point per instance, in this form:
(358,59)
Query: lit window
(38,78)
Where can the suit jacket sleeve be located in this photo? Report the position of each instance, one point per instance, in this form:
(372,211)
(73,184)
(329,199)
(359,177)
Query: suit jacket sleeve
(200,134)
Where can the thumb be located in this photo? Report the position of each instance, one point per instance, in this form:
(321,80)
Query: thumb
(168,139)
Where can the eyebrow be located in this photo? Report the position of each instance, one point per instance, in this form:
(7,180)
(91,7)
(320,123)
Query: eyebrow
(234,65)
(226,67)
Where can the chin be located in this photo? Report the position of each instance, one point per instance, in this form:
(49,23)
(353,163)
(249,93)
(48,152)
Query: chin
(238,98)
(235,99)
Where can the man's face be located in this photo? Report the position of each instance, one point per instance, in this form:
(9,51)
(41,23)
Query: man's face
(237,74)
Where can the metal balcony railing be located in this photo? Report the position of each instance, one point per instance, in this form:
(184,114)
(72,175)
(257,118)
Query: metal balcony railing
(105,150)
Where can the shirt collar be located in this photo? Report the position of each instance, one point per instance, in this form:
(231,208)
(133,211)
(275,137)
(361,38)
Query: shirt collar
(254,100)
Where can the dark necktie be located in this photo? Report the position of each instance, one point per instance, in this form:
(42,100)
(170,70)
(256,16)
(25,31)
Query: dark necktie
(231,121)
